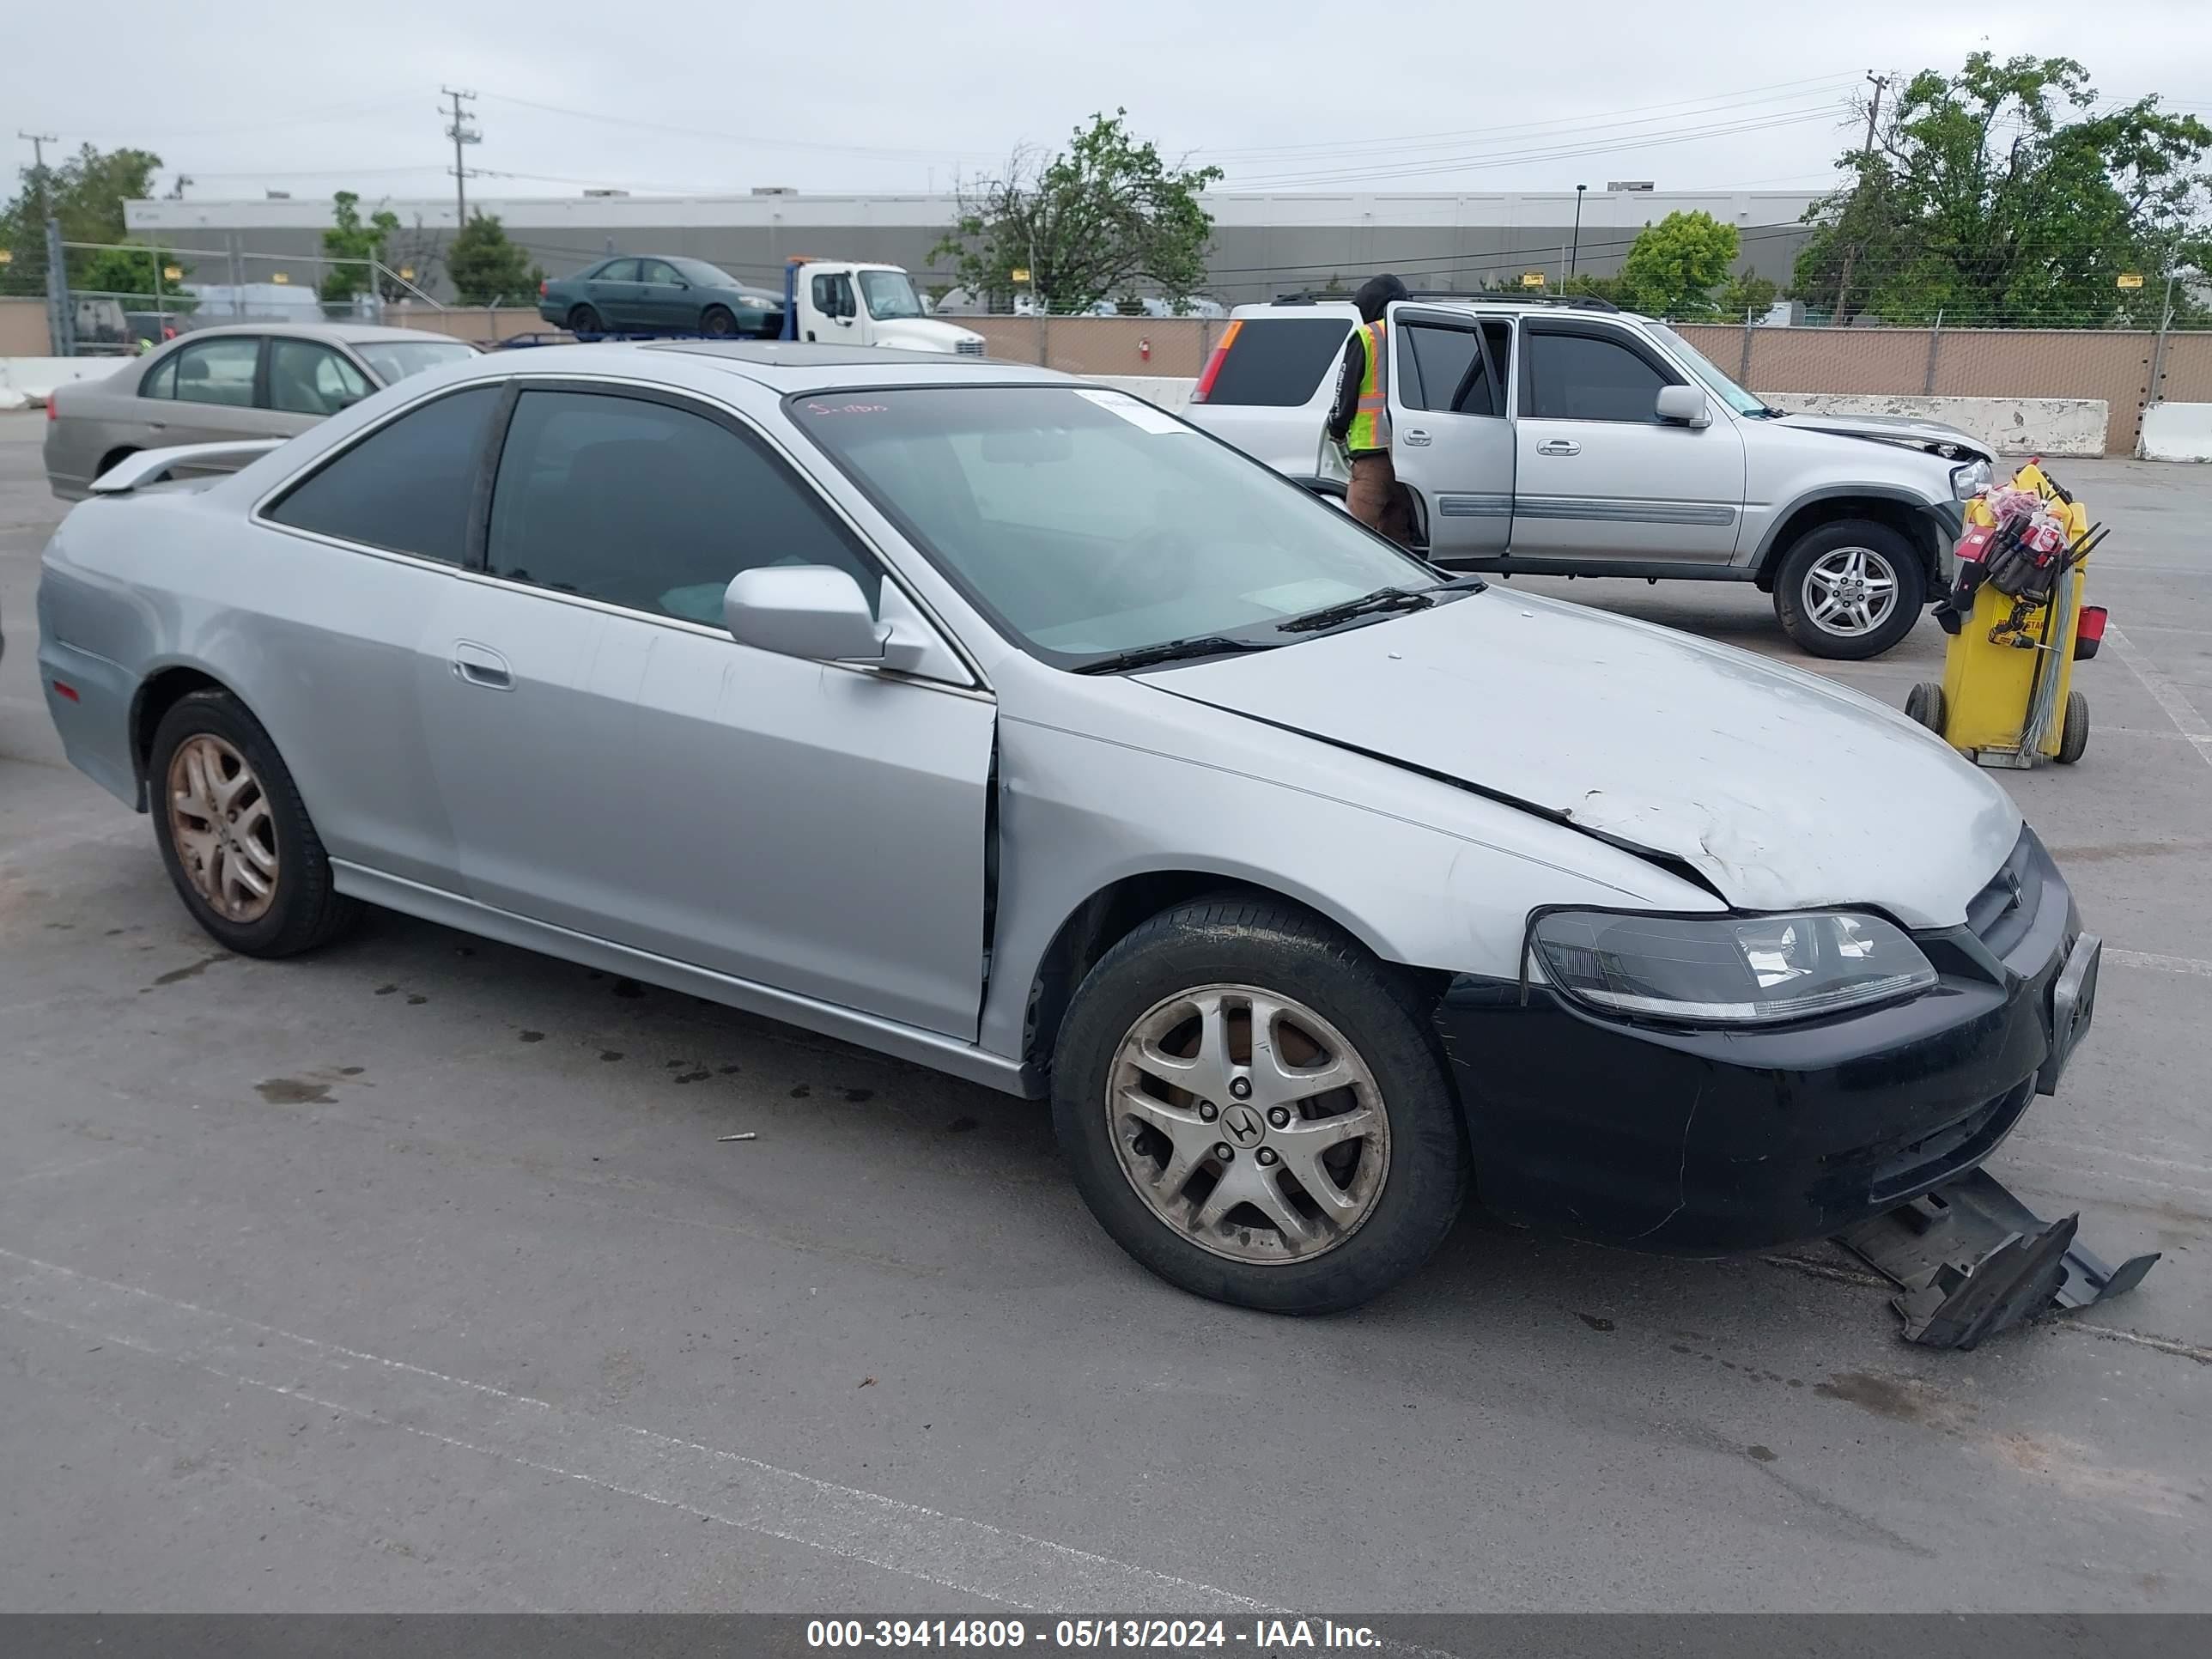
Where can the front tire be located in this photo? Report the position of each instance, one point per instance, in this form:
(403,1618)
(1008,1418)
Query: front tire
(1245,1027)
(1849,590)
(234,836)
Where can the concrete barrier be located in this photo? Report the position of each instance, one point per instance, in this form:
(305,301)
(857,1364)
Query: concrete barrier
(2013,426)
(25,381)
(2176,432)
(1168,391)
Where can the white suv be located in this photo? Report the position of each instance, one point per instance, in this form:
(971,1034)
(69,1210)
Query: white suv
(1573,438)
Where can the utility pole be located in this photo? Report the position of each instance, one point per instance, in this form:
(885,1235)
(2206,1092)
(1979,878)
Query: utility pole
(1874,111)
(1575,249)
(60,325)
(461,133)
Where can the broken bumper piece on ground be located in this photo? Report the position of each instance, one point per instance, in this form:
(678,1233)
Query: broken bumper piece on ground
(1969,1260)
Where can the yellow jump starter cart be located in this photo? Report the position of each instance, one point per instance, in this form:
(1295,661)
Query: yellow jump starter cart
(2007,696)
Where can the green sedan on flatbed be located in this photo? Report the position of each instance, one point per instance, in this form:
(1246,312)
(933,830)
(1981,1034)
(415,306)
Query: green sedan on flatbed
(635,295)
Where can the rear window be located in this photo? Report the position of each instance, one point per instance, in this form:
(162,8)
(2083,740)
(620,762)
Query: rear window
(1279,362)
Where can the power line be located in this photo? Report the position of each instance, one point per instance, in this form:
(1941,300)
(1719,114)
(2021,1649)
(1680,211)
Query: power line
(877,152)
(461,133)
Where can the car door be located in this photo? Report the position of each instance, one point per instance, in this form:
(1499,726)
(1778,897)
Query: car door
(664,299)
(615,765)
(1451,440)
(307,378)
(371,536)
(1598,476)
(612,291)
(213,395)
(832,294)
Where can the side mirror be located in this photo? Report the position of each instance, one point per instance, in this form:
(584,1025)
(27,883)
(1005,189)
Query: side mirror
(1684,405)
(812,611)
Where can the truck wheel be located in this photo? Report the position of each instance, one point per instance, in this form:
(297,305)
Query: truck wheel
(1253,1109)
(234,835)
(2074,734)
(584,320)
(1849,590)
(717,323)
(1925,704)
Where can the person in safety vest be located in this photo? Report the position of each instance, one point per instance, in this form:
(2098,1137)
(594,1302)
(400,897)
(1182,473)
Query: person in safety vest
(1361,418)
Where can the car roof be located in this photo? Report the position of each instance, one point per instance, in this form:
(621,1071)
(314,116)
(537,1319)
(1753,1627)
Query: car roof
(336,333)
(1469,303)
(781,366)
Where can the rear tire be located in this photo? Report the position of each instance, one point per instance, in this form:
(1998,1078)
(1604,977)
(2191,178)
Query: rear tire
(1831,591)
(2074,734)
(234,836)
(584,320)
(717,323)
(1395,1178)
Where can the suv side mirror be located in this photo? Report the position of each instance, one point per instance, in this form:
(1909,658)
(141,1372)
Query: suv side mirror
(1684,405)
(812,611)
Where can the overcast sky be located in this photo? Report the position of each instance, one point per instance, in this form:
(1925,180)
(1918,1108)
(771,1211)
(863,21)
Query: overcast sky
(870,95)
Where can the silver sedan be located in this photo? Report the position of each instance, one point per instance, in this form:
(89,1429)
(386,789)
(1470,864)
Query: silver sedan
(215,384)
(1006,724)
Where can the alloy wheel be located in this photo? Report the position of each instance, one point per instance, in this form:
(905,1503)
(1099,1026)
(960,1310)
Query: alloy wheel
(224,833)
(1850,591)
(1248,1124)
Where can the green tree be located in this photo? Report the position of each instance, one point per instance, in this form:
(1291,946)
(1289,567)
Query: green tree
(1673,266)
(138,276)
(350,240)
(2008,196)
(1093,220)
(487,269)
(1746,291)
(85,193)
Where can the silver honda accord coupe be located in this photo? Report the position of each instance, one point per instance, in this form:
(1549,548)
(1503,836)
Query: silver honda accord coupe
(1006,724)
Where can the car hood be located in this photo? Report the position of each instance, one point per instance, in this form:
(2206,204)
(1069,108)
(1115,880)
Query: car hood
(1907,429)
(923,334)
(1777,788)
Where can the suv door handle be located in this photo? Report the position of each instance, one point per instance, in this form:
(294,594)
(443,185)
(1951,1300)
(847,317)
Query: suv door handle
(479,665)
(1558,447)
(1416,437)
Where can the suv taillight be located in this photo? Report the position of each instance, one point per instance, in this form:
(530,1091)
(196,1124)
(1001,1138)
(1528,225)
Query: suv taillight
(53,406)
(542,286)
(1214,363)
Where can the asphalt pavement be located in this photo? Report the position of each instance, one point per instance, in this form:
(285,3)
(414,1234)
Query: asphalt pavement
(411,1275)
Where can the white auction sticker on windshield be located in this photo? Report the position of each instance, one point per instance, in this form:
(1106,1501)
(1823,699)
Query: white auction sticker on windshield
(1140,415)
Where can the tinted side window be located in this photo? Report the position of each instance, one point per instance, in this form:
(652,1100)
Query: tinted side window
(1500,335)
(1578,377)
(1448,373)
(218,371)
(649,507)
(406,486)
(160,380)
(616,270)
(1280,362)
(655,270)
(307,378)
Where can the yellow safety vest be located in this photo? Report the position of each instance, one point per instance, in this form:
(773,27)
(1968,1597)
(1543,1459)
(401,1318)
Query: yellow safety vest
(1370,425)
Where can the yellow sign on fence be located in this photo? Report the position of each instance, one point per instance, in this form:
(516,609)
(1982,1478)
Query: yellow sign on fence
(1019,273)
(1532,279)
(2130,279)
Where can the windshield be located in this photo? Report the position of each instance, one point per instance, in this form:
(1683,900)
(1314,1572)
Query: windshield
(889,294)
(706,275)
(1087,524)
(1698,364)
(395,360)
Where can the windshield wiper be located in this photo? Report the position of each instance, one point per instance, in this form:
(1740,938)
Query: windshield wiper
(1207,645)
(1381,601)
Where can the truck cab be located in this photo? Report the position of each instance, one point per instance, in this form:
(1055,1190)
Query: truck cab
(846,303)
(1572,438)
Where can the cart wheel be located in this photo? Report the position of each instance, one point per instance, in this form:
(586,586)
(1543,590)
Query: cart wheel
(1924,703)
(2074,735)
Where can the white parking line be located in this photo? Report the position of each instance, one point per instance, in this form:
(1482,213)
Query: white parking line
(2151,960)
(2165,693)
(1033,1574)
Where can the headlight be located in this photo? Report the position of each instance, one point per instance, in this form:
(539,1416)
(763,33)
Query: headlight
(1970,480)
(1729,969)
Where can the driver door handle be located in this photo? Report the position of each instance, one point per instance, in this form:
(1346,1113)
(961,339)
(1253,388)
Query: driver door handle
(479,665)
(1558,447)
(1416,437)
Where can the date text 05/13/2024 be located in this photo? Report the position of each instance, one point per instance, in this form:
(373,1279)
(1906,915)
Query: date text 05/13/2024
(1262,1636)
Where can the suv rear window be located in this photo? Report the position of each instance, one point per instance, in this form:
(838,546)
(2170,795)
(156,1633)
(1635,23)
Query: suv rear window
(1279,362)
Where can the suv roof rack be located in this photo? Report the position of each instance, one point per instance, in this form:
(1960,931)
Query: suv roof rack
(1570,301)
